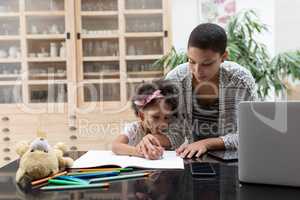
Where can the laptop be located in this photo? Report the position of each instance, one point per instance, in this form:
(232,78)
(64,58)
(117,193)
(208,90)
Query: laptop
(269,143)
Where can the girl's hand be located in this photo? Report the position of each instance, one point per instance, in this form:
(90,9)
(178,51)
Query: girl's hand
(189,150)
(150,147)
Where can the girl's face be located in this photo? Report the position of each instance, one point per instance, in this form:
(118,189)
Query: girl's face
(156,118)
(204,63)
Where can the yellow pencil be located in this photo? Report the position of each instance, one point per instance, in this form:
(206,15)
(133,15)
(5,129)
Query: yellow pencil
(99,169)
(91,172)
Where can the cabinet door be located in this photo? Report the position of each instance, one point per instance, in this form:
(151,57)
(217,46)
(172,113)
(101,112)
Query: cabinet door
(98,51)
(10,53)
(118,44)
(50,53)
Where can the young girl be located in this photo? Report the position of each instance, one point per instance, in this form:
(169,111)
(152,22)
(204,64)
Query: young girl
(154,104)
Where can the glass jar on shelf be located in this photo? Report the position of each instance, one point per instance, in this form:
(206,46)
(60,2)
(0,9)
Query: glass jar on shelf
(34,29)
(131,50)
(62,50)
(4,29)
(13,52)
(53,50)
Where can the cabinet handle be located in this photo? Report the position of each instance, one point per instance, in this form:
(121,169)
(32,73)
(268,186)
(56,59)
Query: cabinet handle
(6,139)
(73,148)
(78,36)
(72,128)
(5,119)
(68,35)
(6,150)
(73,117)
(5,130)
(73,137)
(7,158)
(166,33)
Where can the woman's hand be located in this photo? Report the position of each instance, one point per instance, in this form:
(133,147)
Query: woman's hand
(150,147)
(189,150)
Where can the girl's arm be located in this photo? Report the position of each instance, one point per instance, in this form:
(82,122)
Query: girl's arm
(120,146)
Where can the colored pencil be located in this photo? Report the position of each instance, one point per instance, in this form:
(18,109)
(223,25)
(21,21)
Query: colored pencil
(127,176)
(73,187)
(63,182)
(94,172)
(71,178)
(103,169)
(43,180)
(97,175)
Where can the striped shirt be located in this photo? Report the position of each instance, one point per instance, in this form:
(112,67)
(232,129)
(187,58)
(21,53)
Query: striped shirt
(236,84)
(205,119)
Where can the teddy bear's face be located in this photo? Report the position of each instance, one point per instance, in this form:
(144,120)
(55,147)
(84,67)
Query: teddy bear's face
(40,144)
(39,164)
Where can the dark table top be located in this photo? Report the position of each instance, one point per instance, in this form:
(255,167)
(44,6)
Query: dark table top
(162,184)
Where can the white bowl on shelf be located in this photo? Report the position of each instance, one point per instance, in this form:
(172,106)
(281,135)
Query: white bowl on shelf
(43,55)
(32,55)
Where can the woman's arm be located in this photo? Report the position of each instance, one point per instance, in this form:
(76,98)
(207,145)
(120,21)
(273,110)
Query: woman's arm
(231,141)
(120,146)
(200,147)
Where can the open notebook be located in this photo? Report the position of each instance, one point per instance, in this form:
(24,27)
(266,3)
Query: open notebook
(106,158)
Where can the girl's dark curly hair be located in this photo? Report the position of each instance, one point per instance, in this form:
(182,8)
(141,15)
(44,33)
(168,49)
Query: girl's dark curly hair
(167,88)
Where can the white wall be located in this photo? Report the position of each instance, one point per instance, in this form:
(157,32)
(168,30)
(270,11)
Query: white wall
(185,16)
(266,11)
(184,19)
(287,25)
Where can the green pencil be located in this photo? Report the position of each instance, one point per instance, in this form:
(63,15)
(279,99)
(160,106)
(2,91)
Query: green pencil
(127,176)
(63,182)
(73,187)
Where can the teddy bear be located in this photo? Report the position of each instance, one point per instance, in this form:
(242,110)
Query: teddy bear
(39,160)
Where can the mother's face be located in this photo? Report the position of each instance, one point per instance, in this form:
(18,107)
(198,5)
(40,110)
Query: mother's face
(204,63)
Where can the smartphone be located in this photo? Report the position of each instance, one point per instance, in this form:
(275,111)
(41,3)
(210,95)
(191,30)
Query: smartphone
(202,169)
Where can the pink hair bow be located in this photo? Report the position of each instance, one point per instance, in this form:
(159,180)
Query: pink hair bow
(147,98)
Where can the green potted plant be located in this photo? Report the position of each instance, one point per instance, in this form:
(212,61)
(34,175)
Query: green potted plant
(244,49)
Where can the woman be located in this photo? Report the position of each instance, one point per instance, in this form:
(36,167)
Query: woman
(210,91)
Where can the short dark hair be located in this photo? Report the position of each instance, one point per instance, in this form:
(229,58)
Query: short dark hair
(208,36)
(167,88)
